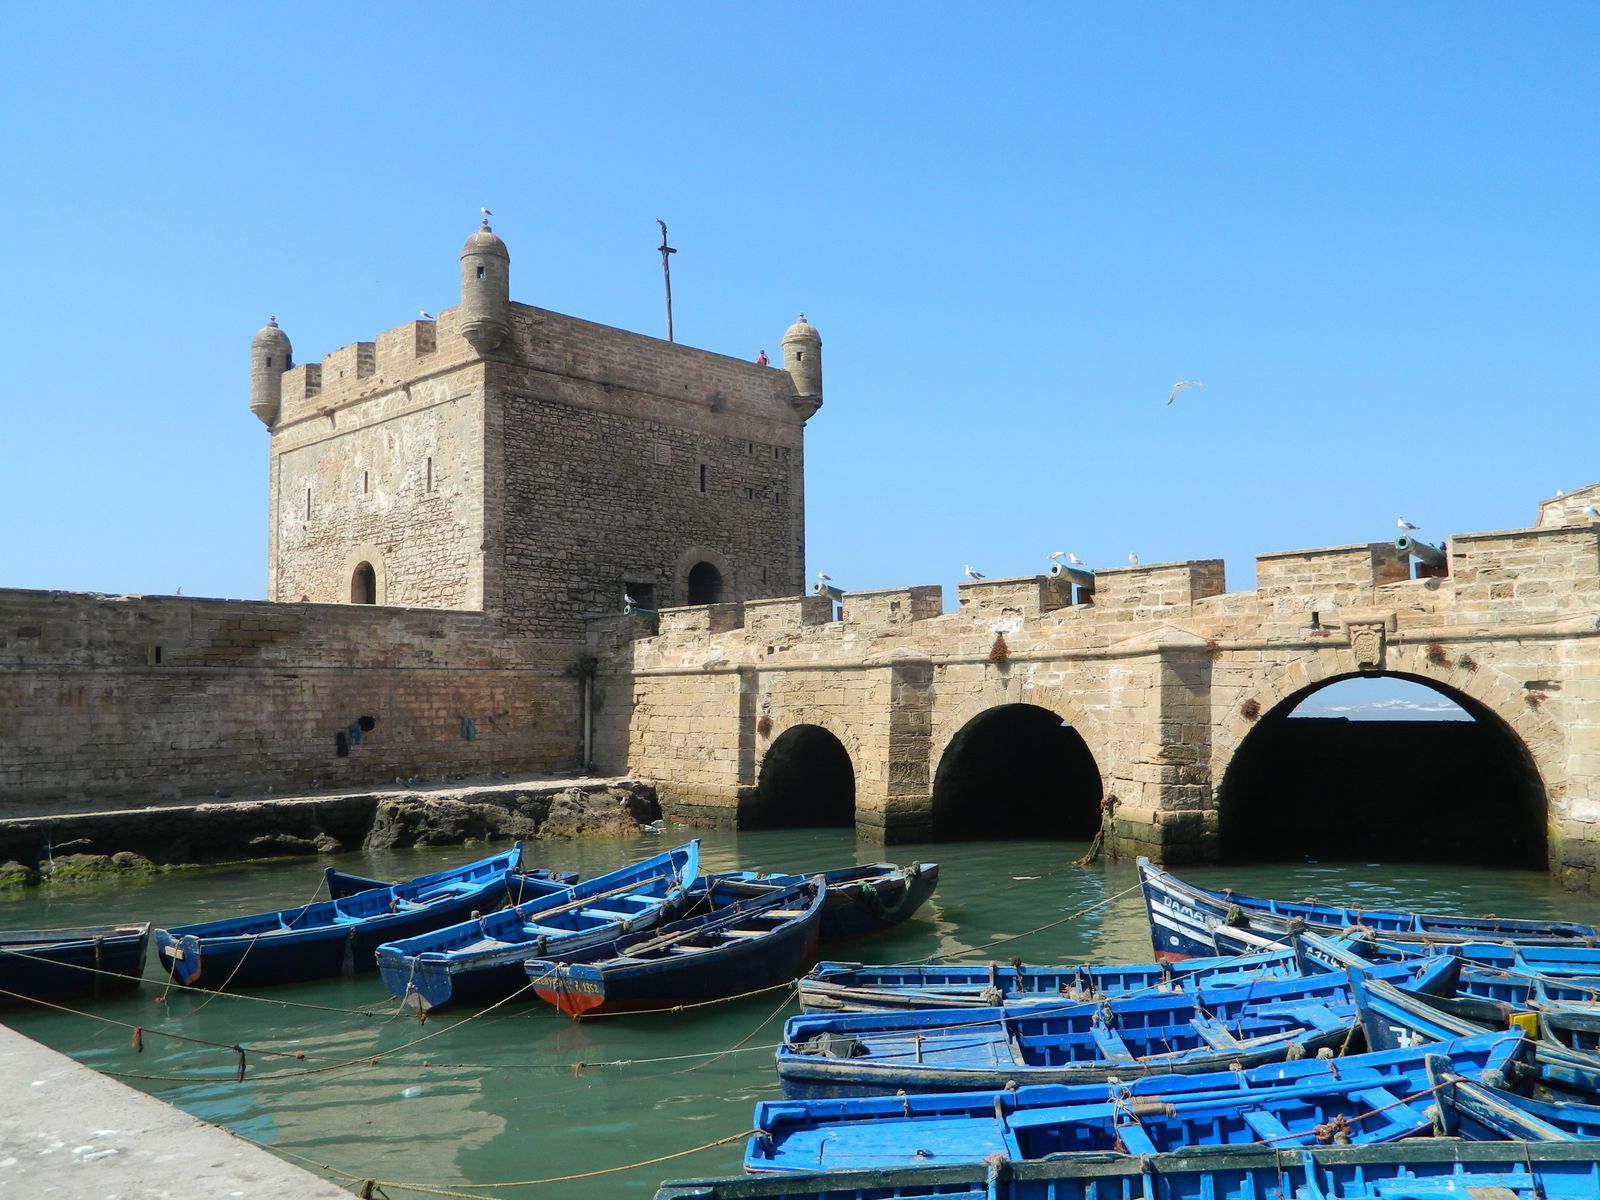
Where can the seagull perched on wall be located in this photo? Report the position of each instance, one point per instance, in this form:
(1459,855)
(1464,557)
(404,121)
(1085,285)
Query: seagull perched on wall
(966,569)
(1133,559)
(1180,385)
(1405,526)
(424,314)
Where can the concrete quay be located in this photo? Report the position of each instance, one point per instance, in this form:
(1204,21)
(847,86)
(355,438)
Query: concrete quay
(70,1133)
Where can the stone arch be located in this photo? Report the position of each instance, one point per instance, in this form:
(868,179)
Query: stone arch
(1037,771)
(371,558)
(807,777)
(1496,703)
(789,718)
(694,556)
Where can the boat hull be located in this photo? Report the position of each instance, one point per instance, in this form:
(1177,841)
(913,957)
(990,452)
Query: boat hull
(67,964)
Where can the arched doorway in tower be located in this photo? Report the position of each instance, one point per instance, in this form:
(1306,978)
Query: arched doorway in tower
(705,584)
(806,781)
(363,584)
(1390,768)
(1016,771)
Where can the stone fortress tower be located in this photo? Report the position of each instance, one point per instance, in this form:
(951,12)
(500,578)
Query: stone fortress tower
(533,465)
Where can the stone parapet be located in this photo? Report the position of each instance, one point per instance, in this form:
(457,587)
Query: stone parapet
(890,607)
(1027,595)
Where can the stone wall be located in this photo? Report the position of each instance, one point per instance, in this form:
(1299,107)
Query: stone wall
(1163,674)
(134,700)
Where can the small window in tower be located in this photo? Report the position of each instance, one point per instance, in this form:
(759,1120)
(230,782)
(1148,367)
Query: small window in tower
(427,484)
(702,479)
(308,504)
(366,483)
(269,360)
(749,493)
(480,272)
(750,449)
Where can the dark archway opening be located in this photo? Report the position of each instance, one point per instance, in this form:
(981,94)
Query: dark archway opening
(1349,782)
(705,584)
(364,584)
(1016,771)
(806,781)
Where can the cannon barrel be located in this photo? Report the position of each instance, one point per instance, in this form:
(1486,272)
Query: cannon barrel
(1081,576)
(827,589)
(1430,555)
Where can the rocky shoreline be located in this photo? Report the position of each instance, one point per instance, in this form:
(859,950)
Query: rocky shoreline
(61,848)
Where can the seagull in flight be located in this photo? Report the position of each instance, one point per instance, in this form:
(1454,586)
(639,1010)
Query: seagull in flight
(970,573)
(424,314)
(1133,559)
(1405,526)
(1180,385)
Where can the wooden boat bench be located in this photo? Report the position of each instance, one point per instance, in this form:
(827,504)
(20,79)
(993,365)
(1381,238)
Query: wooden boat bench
(1267,1127)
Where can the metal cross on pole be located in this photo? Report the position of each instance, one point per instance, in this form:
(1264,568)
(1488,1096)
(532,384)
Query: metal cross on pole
(666,272)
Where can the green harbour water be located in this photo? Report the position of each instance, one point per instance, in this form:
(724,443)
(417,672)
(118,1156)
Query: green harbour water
(521,1093)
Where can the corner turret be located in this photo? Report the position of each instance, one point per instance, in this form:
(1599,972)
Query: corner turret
(485,290)
(270,356)
(802,358)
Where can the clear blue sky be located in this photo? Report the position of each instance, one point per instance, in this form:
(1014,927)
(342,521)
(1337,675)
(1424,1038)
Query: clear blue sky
(1369,229)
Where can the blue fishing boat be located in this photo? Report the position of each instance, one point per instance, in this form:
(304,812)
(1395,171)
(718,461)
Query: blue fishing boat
(1416,1169)
(859,987)
(1393,1018)
(1206,1030)
(332,937)
(1525,978)
(1361,1099)
(1184,920)
(479,961)
(64,964)
(735,944)
(341,883)
(1478,1111)
(862,900)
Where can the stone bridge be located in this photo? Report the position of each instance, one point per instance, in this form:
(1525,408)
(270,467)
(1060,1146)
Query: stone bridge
(1159,697)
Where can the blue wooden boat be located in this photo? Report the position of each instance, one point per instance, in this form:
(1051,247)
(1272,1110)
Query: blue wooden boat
(479,961)
(1393,1018)
(859,987)
(1548,978)
(862,900)
(332,937)
(1184,919)
(738,944)
(1364,1098)
(341,884)
(65,964)
(965,1049)
(1417,1169)
(1476,1110)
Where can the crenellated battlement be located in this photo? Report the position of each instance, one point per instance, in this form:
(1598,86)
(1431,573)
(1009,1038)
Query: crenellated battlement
(1493,580)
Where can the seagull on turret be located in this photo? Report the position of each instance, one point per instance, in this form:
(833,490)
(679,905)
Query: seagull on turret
(1133,559)
(424,314)
(1057,555)
(1405,526)
(1180,385)
(1075,560)
(486,213)
(629,601)
(970,573)
(824,578)
(1591,512)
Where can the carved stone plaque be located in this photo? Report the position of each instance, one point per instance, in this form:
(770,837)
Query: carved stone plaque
(1367,641)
